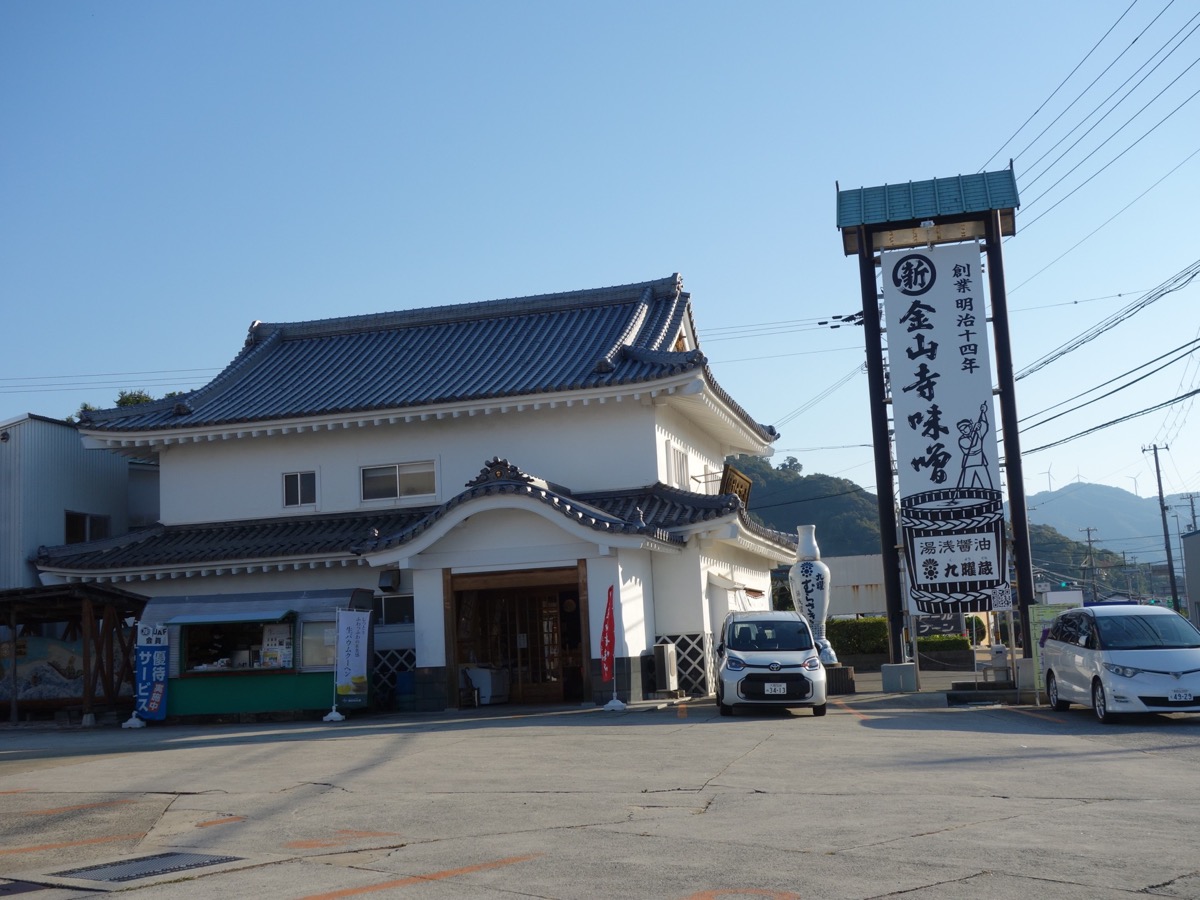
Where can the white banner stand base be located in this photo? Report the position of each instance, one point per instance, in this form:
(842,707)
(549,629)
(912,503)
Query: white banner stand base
(614,705)
(133,722)
(334,716)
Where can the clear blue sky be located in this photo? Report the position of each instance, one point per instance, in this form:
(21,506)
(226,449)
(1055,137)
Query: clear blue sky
(171,172)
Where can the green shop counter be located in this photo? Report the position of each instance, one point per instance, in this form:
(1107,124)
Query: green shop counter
(256,653)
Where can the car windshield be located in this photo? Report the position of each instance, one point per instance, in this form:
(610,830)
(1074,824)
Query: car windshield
(1146,632)
(770,635)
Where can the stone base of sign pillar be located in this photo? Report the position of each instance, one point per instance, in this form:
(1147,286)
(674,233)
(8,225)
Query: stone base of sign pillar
(899,678)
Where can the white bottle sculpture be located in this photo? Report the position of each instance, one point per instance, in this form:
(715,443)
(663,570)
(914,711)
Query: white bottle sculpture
(809,580)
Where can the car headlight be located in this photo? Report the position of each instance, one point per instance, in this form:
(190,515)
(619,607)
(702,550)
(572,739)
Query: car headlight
(733,664)
(812,664)
(1123,671)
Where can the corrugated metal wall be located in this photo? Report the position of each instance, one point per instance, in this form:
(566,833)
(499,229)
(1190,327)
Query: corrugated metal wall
(44,472)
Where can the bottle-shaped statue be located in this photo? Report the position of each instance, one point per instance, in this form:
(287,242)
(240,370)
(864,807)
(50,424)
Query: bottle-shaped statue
(809,580)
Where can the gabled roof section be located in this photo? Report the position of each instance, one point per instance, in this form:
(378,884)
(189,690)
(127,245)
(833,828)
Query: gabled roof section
(552,344)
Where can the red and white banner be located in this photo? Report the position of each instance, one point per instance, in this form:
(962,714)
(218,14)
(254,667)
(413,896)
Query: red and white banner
(608,639)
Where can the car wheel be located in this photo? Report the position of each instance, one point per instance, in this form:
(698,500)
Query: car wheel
(721,707)
(1056,702)
(819,710)
(1100,704)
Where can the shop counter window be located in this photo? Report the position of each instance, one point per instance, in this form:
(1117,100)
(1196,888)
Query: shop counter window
(318,645)
(222,646)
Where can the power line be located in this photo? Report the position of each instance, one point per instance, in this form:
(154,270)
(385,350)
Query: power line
(1081,94)
(1111,110)
(1103,224)
(1176,282)
(1060,87)
(1088,180)
(1183,355)
(1127,418)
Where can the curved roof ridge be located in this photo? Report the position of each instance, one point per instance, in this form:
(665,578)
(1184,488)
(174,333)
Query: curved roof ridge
(464,312)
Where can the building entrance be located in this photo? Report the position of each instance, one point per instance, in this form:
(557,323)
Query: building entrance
(533,634)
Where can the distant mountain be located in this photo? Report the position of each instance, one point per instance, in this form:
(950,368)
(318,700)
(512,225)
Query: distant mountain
(1120,521)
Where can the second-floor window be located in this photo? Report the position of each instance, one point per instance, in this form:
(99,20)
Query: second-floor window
(680,477)
(398,481)
(81,527)
(299,488)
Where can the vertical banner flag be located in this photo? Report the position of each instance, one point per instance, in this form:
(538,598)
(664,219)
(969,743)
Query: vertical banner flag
(951,504)
(608,639)
(151,653)
(353,633)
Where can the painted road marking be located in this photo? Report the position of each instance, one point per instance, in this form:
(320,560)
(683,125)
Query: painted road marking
(347,836)
(421,879)
(100,840)
(62,809)
(223,821)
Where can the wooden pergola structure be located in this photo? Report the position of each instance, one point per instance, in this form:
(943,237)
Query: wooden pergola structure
(99,616)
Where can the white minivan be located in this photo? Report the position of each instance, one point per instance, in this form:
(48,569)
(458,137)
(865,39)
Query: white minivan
(768,659)
(1122,658)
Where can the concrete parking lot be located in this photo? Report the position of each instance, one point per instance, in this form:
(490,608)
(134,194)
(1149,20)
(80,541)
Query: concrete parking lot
(889,795)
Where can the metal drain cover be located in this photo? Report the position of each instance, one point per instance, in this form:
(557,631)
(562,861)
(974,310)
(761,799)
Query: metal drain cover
(146,866)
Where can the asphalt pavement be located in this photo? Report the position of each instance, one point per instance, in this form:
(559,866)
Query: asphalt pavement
(889,795)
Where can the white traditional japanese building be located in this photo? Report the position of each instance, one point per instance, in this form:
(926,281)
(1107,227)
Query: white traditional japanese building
(487,471)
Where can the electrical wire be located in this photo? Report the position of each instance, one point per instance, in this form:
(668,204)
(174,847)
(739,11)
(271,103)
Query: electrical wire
(1109,424)
(1060,87)
(1182,350)
(1088,180)
(1103,224)
(1176,282)
(1110,111)
(1092,84)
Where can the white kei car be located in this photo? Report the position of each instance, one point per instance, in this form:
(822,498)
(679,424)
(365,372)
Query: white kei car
(1122,658)
(768,659)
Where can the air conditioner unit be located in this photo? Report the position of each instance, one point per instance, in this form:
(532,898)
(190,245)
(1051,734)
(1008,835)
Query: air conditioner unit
(666,671)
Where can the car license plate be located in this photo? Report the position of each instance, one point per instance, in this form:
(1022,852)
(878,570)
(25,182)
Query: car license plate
(1181,696)
(772,687)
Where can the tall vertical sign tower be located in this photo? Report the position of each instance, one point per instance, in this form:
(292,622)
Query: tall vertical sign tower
(931,242)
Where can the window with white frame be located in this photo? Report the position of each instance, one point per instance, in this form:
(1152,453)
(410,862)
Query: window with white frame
(299,488)
(399,481)
(677,467)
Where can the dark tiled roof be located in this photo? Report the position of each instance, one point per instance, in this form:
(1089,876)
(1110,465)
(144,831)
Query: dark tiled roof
(450,354)
(657,512)
(223,542)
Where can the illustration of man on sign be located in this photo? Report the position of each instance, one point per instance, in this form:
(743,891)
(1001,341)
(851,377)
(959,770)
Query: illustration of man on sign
(975,472)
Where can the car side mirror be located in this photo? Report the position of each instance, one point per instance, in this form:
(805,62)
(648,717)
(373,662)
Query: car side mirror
(721,649)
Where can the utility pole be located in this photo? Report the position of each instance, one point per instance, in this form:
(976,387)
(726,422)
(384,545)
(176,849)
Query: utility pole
(1090,567)
(1162,506)
(1191,499)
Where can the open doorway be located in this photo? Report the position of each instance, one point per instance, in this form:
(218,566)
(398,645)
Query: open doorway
(533,633)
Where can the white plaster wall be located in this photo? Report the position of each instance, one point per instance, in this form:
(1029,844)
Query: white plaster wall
(499,539)
(429,618)
(583,447)
(636,613)
(679,591)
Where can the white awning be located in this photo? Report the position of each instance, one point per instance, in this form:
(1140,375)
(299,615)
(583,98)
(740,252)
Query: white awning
(211,609)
